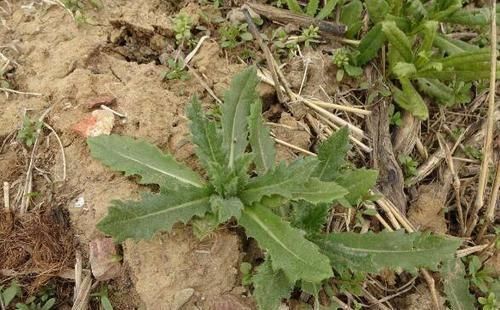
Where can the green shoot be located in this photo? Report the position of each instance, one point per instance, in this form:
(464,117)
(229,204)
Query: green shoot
(182,29)
(234,35)
(176,70)
(29,131)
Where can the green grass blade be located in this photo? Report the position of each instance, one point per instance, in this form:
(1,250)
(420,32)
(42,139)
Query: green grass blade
(294,6)
(312,7)
(327,9)
(369,46)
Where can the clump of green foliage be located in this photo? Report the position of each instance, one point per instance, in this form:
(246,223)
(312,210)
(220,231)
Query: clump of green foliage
(103,298)
(176,70)
(284,207)
(43,300)
(233,35)
(182,29)
(312,8)
(409,165)
(341,60)
(422,60)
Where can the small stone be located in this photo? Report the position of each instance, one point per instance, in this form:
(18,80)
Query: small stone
(104,259)
(100,122)
(102,100)
(181,298)
(236,16)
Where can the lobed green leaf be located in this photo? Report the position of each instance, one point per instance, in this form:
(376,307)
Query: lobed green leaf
(226,208)
(369,46)
(456,286)
(331,155)
(372,252)
(141,219)
(289,250)
(260,140)
(137,157)
(205,136)
(235,111)
(410,100)
(398,40)
(357,182)
(270,286)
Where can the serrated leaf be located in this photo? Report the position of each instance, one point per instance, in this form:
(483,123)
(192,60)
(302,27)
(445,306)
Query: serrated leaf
(452,46)
(470,17)
(468,58)
(141,219)
(235,111)
(429,32)
(309,217)
(316,191)
(357,182)
(404,69)
(294,6)
(410,100)
(445,95)
(137,157)
(377,10)
(327,9)
(226,208)
(398,40)
(372,252)
(204,135)
(282,180)
(270,286)
(260,140)
(369,46)
(289,250)
(312,7)
(331,155)
(456,286)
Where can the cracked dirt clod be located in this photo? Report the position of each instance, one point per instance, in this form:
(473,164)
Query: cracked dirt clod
(427,212)
(104,260)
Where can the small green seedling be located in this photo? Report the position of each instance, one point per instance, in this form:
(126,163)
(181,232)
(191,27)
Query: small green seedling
(233,35)
(245,185)
(176,70)
(479,276)
(341,59)
(394,116)
(8,294)
(103,298)
(44,300)
(489,303)
(28,133)
(409,165)
(182,29)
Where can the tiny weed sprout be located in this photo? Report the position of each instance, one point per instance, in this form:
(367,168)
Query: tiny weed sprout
(409,165)
(233,35)
(176,70)
(283,206)
(341,59)
(182,29)
(28,133)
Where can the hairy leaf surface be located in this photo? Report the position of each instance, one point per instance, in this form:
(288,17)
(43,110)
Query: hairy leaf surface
(141,219)
(289,250)
(331,155)
(357,182)
(137,157)
(226,208)
(372,252)
(398,40)
(205,136)
(456,286)
(410,100)
(312,7)
(309,217)
(270,286)
(316,191)
(260,140)
(282,180)
(377,10)
(235,111)
(452,46)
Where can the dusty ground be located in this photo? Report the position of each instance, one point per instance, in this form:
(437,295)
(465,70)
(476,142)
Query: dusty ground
(71,65)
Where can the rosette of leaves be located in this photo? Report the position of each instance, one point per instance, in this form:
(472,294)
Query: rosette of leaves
(421,59)
(233,35)
(244,184)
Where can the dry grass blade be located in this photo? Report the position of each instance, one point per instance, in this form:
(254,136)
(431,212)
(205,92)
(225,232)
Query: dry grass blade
(488,139)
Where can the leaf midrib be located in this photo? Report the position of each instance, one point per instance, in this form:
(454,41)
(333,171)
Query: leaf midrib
(184,180)
(167,210)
